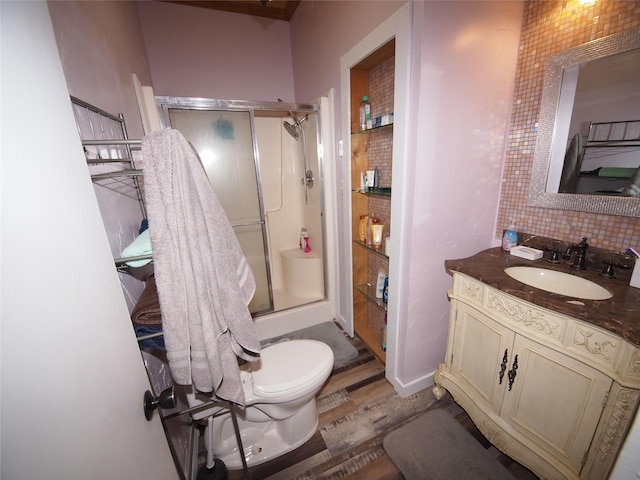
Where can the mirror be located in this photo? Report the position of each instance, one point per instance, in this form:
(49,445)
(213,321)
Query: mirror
(562,115)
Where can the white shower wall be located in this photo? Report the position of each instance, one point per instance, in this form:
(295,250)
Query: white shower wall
(281,172)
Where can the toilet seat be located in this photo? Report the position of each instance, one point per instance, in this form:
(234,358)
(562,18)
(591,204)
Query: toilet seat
(291,366)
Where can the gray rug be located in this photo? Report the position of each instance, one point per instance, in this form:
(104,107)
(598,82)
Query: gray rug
(327,332)
(435,446)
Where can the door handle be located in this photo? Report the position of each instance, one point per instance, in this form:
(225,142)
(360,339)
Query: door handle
(512,372)
(166,399)
(308,178)
(503,366)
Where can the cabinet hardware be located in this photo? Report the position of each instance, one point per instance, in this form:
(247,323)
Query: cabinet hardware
(512,372)
(503,366)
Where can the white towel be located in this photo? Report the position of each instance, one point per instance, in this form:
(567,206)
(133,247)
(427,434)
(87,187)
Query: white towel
(203,279)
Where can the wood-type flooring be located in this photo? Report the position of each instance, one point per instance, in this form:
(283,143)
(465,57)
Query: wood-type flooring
(358,407)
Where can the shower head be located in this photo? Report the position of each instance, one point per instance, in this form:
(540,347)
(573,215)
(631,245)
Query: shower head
(291,129)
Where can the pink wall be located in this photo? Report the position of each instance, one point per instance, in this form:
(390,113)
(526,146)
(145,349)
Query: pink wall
(463,88)
(463,62)
(322,32)
(100,46)
(197,52)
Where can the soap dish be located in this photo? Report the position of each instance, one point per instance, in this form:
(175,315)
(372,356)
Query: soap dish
(526,252)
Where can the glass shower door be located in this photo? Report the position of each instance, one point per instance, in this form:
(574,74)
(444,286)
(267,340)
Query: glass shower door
(224,141)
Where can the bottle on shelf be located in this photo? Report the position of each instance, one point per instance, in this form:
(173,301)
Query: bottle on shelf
(363,227)
(365,113)
(304,241)
(385,292)
(383,335)
(303,231)
(376,179)
(380,283)
(510,237)
(369,231)
(377,228)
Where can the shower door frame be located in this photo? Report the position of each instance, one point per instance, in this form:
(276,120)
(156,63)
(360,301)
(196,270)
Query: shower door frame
(166,103)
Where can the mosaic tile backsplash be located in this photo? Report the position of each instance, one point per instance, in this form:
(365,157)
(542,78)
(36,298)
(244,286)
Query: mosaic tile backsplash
(548,28)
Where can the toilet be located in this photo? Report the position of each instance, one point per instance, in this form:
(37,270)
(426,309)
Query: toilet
(280,413)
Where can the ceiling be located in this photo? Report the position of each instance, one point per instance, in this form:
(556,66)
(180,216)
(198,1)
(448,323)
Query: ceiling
(278,9)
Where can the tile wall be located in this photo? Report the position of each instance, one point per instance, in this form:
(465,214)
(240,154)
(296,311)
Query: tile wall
(548,28)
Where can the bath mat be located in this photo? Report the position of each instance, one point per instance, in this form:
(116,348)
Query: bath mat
(435,446)
(327,332)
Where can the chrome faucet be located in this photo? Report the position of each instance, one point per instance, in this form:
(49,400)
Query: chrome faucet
(580,259)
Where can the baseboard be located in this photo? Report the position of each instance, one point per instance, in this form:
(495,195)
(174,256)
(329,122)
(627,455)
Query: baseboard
(405,389)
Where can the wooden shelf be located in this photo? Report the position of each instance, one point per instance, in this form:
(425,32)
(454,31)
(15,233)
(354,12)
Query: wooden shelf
(371,339)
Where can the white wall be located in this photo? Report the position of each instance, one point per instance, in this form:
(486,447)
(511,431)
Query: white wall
(280,165)
(72,376)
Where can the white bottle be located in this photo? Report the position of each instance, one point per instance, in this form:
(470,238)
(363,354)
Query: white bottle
(365,113)
(303,238)
(635,275)
(380,284)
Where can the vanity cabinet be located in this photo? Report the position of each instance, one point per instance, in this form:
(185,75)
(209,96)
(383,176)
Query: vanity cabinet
(553,392)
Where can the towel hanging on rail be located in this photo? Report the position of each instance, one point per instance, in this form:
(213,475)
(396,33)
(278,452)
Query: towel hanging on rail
(203,279)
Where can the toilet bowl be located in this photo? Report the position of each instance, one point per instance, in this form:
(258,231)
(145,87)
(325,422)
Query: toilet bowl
(280,413)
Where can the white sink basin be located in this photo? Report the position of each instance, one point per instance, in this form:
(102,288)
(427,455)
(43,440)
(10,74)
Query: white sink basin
(558,282)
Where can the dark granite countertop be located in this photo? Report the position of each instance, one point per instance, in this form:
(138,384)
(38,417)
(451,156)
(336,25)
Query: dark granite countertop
(620,314)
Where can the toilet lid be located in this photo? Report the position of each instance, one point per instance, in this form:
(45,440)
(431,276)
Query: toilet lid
(290,365)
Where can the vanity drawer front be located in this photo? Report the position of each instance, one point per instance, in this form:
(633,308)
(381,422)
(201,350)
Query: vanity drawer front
(529,320)
(468,289)
(594,345)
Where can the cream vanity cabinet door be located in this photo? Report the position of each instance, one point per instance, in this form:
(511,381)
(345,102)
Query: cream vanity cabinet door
(549,401)
(480,355)
(555,401)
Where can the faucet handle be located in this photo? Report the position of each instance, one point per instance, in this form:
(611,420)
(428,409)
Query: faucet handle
(608,269)
(555,256)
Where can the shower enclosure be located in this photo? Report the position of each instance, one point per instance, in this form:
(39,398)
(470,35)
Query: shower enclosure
(263,161)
